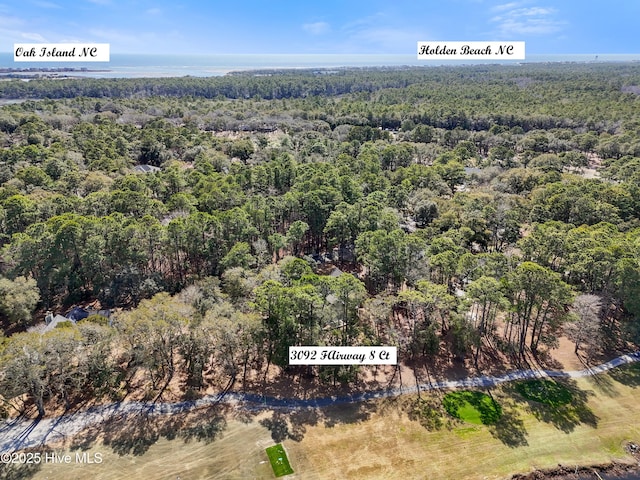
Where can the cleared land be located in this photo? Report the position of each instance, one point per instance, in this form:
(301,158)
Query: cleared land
(382,440)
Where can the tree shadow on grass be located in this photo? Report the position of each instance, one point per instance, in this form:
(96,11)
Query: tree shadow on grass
(348,413)
(134,434)
(245,416)
(293,425)
(567,408)
(290,426)
(205,427)
(429,412)
(510,429)
(18,471)
(300,420)
(628,375)
(473,403)
(604,384)
(87,438)
(499,414)
(278,425)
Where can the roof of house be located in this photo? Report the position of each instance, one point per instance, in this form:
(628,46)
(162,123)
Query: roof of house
(336,272)
(54,323)
(77,313)
(146,169)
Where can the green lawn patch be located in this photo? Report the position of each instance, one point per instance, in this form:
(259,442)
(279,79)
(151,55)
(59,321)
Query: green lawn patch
(473,407)
(279,460)
(545,391)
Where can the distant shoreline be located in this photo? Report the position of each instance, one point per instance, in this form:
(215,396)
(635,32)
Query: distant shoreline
(172,65)
(48,69)
(11,73)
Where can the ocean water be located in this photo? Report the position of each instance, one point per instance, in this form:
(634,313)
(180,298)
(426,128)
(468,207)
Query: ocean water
(139,66)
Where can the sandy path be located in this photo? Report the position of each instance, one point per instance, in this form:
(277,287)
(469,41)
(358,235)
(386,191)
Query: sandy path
(17,434)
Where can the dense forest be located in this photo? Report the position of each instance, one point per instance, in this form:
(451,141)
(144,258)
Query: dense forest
(448,211)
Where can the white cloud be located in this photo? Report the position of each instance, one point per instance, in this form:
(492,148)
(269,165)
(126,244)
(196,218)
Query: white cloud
(378,33)
(34,37)
(70,40)
(505,6)
(514,20)
(17,30)
(374,19)
(111,36)
(154,11)
(317,28)
(388,37)
(137,42)
(9,21)
(9,36)
(45,4)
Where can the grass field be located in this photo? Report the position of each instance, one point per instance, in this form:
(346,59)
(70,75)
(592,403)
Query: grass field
(472,406)
(279,461)
(379,440)
(545,391)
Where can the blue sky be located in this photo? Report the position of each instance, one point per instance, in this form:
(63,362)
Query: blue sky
(324,26)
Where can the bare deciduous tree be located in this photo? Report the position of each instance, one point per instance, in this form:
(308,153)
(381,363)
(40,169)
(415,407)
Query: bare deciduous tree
(585,330)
